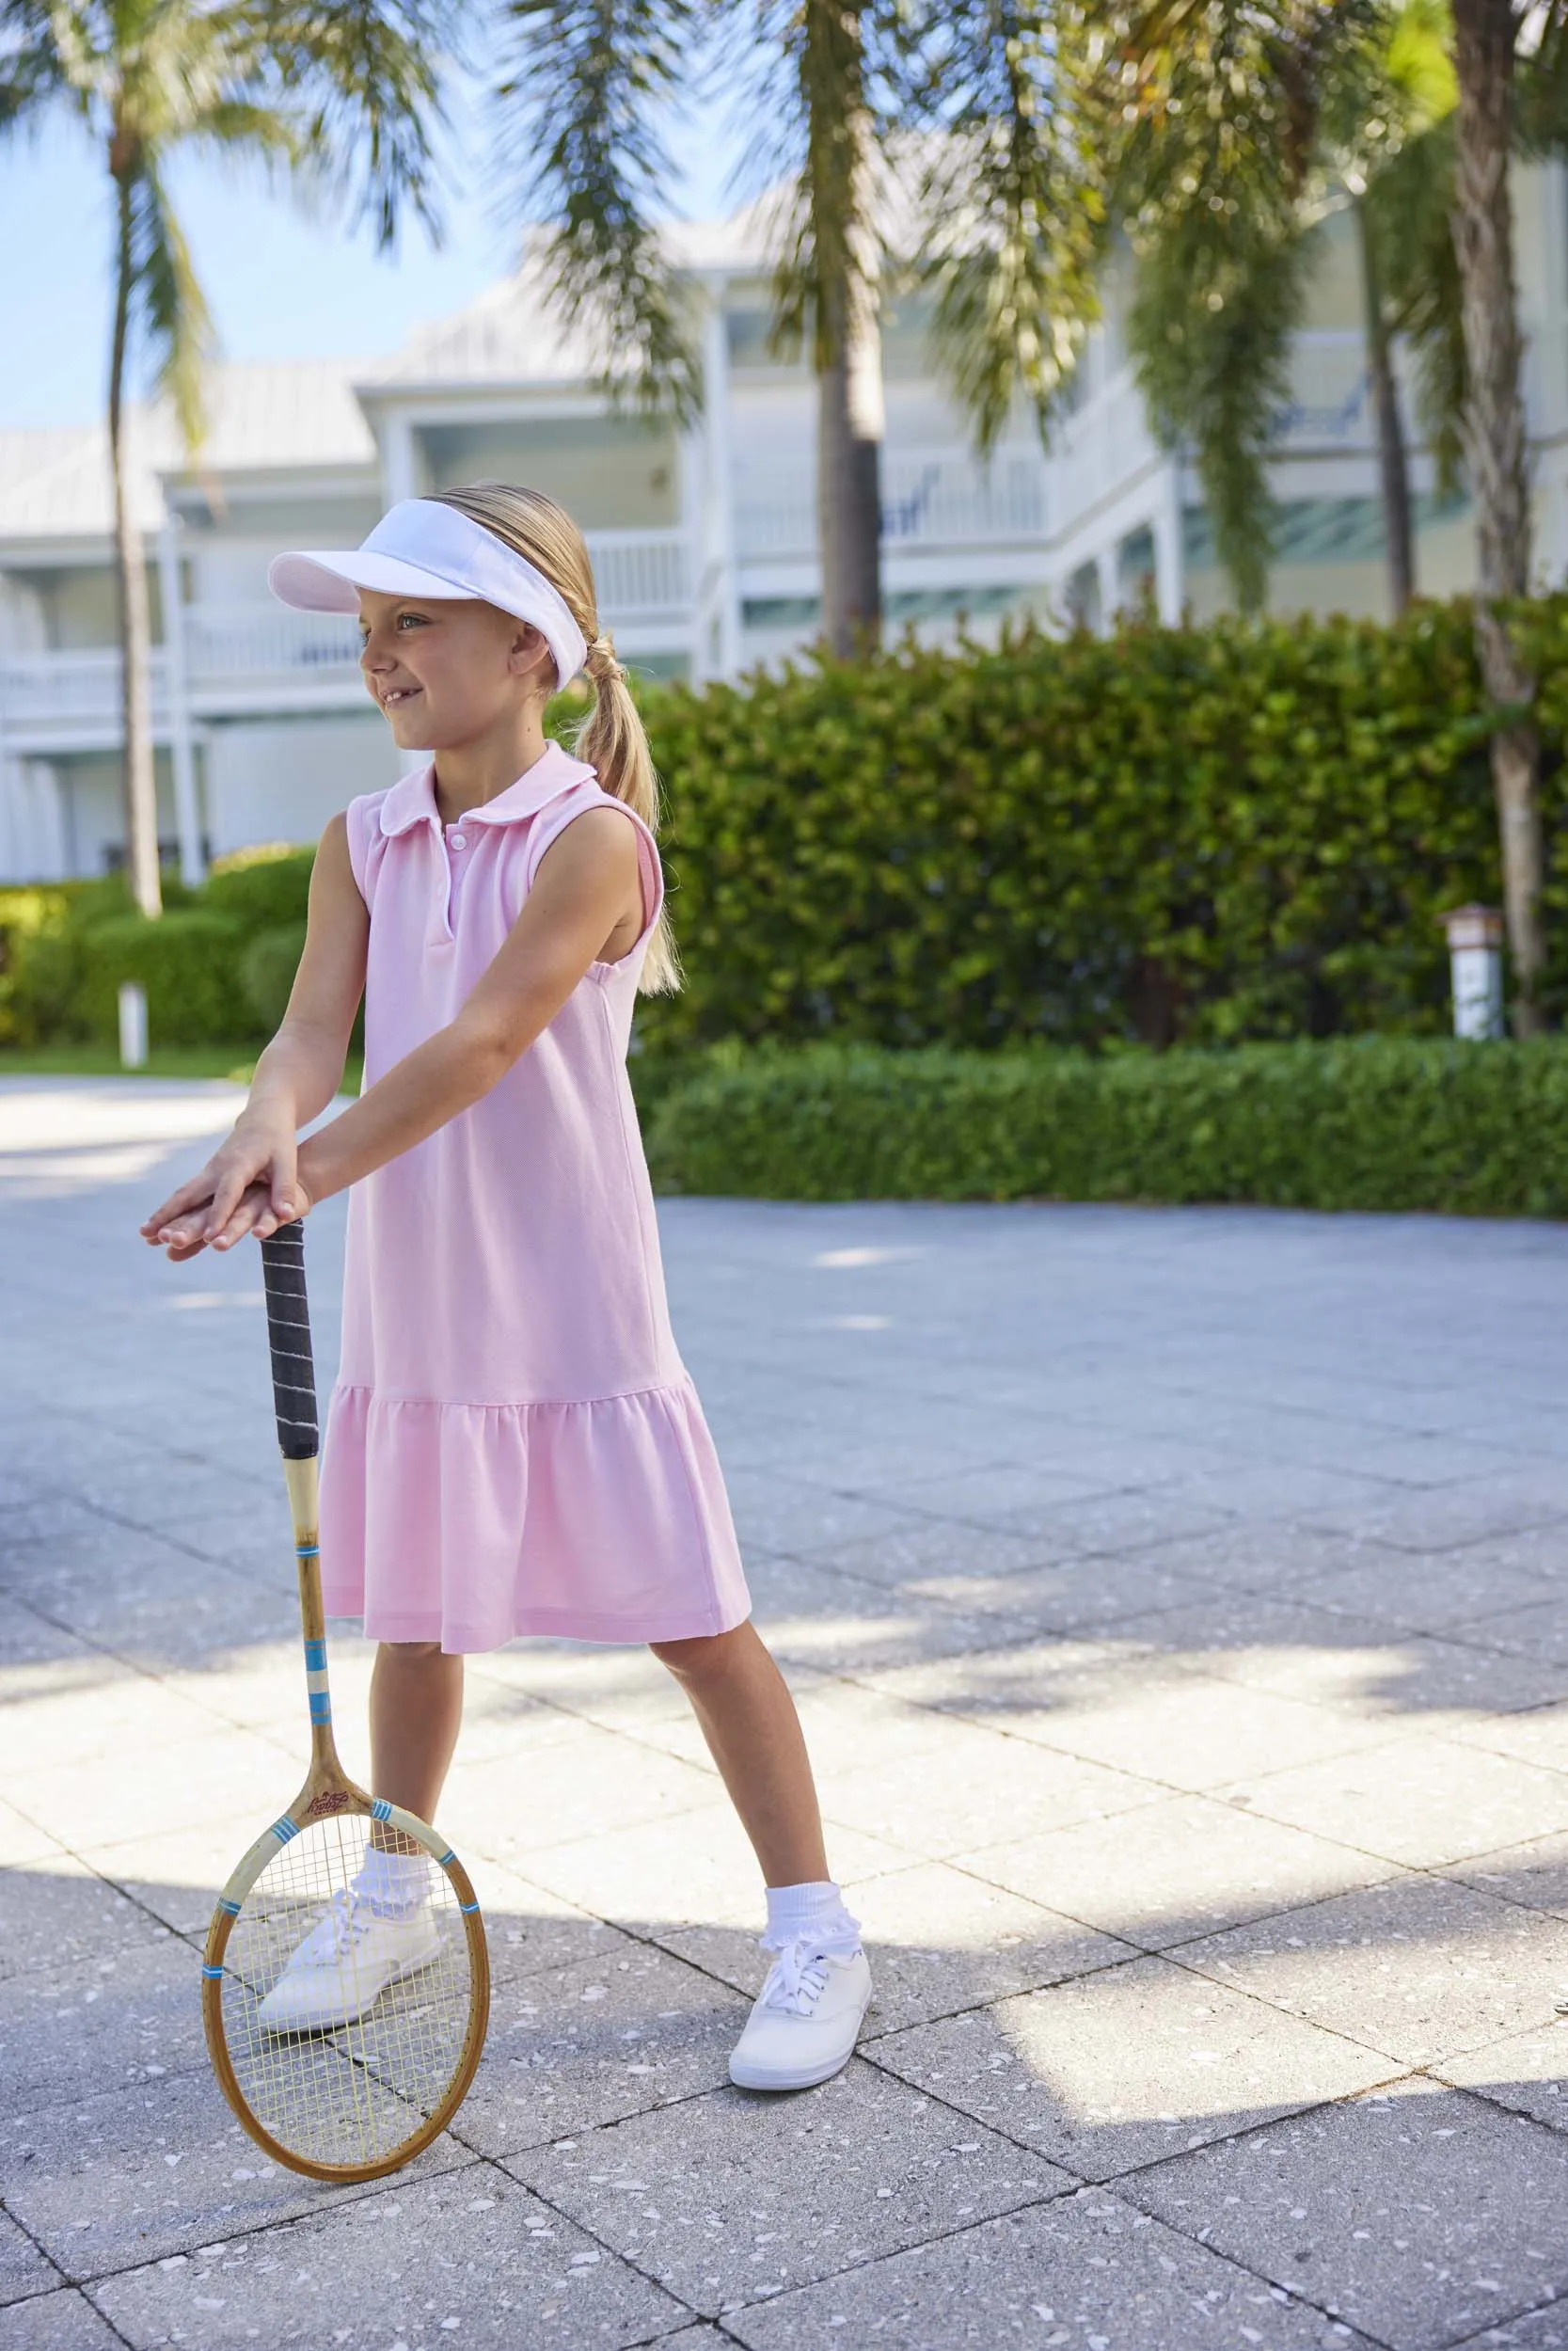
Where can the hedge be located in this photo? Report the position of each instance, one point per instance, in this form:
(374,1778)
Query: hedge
(1200,835)
(1375,1123)
(189,963)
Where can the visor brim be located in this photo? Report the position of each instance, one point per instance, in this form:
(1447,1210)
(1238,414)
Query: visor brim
(329,580)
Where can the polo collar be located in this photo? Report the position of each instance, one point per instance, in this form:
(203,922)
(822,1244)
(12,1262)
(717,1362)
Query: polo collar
(412,800)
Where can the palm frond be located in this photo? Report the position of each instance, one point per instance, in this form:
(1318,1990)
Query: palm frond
(177,326)
(1013,200)
(1410,211)
(578,146)
(1215,307)
(361,81)
(32,74)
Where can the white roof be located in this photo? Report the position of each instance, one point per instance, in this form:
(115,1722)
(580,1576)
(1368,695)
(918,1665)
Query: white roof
(514,333)
(263,415)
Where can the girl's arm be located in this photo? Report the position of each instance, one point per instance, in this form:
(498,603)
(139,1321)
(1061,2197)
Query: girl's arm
(587,880)
(297,1076)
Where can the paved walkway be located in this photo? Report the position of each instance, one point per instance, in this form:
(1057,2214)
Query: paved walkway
(1177,1604)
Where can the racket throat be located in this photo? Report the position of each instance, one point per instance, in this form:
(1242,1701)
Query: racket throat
(305,1507)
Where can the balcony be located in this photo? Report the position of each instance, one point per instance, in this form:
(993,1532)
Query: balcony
(70,700)
(260,657)
(931,499)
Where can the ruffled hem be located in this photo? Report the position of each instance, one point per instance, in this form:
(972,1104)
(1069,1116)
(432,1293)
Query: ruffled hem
(472,1524)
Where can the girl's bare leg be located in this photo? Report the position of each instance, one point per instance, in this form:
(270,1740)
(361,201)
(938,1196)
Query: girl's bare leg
(754,1733)
(416,1709)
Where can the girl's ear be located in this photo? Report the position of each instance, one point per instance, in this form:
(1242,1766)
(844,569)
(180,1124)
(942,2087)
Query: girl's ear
(528,649)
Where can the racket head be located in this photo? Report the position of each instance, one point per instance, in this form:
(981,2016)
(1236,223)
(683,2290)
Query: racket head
(355,2099)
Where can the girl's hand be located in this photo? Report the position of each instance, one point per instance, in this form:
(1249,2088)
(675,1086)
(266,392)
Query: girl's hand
(185,1236)
(259,1154)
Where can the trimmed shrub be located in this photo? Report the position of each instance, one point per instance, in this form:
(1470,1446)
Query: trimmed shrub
(267,968)
(1367,1123)
(262,888)
(188,963)
(1196,836)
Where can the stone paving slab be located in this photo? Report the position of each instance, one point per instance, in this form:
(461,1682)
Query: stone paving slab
(1116,2070)
(1420,1968)
(466,2258)
(766,2200)
(1413,1800)
(1330,1657)
(1175,1620)
(574,2047)
(1422,2214)
(1133,1711)
(1170,1871)
(24,2270)
(62,2321)
(128,2016)
(112,2183)
(1087,2271)
(1527,2072)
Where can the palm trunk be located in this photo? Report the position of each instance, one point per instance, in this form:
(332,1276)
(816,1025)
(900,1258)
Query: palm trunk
(1495,452)
(1392,456)
(141,799)
(840,167)
(848,472)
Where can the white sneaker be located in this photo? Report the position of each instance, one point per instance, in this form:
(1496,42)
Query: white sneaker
(345,1964)
(802,2027)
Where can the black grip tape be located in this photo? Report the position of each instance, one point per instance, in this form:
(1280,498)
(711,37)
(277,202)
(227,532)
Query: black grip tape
(294,1370)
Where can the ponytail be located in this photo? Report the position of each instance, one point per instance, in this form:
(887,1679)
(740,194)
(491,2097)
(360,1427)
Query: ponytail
(611,740)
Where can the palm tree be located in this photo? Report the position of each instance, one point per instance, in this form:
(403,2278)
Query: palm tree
(997,215)
(1227,183)
(343,93)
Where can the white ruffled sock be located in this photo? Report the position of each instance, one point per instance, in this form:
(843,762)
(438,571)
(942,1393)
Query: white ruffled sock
(394,1885)
(814,1915)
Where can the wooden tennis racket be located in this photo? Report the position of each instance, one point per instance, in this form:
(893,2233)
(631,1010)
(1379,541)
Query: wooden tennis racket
(379,2068)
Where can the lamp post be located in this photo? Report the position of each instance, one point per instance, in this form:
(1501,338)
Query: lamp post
(1475,961)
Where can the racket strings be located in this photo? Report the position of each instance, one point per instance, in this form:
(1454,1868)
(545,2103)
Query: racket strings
(349,2091)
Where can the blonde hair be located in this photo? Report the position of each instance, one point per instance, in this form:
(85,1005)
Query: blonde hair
(611,738)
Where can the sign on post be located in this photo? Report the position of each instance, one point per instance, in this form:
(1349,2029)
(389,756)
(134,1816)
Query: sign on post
(132,1025)
(1475,961)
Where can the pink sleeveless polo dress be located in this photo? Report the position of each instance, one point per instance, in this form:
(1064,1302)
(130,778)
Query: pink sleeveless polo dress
(513,1444)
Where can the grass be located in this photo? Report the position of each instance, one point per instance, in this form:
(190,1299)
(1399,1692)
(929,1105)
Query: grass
(237,1063)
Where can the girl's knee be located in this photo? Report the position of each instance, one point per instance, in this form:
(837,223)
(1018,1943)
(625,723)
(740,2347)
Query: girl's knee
(411,1652)
(700,1659)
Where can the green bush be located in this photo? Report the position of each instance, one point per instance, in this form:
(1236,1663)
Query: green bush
(188,963)
(1196,836)
(262,888)
(1369,1123)
(267,968)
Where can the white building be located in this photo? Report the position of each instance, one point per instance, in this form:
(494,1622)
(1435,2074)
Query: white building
(702,540)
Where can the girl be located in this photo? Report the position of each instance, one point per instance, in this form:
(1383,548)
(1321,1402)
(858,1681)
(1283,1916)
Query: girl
(513,1444)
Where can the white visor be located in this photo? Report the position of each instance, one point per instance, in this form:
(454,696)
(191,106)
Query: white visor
(421,547)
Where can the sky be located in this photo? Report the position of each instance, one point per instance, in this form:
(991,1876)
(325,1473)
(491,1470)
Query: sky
(280,284)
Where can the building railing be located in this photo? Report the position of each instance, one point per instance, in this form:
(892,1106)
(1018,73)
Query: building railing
(931,498)
(233,642)
(259,646)
(640,575)
(78,689)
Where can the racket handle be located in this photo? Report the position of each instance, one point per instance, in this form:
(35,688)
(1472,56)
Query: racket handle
(294,1370)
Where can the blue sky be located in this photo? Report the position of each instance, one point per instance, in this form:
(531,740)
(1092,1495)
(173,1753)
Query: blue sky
(280,285)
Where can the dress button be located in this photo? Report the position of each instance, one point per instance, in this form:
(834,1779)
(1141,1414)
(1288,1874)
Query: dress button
(460,840)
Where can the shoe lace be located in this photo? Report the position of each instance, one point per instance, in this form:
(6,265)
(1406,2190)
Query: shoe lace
(797,1979)
(352,1918)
